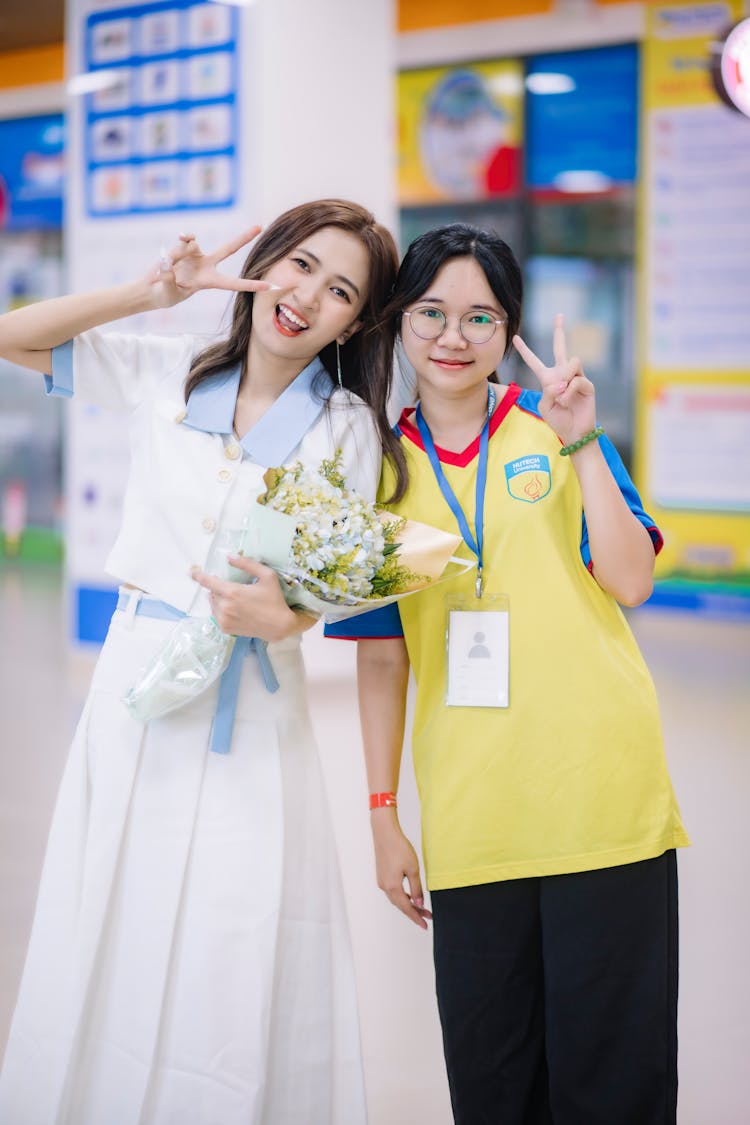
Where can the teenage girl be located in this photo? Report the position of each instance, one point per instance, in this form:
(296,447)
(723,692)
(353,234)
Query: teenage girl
(549,825)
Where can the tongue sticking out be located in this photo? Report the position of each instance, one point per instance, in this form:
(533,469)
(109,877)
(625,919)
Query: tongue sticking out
(287,323)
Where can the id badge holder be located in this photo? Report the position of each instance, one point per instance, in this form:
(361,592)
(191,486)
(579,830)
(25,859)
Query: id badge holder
(477,639)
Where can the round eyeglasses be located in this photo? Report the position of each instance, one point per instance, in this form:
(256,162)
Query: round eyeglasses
(476,327)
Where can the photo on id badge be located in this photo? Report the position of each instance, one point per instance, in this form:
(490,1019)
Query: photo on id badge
(477,638)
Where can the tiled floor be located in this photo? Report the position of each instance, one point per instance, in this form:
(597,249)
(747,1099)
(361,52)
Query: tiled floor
(702,674)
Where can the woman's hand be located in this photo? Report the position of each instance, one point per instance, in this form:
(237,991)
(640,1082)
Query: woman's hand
(395,863)
(568,402)
(28,334)
(254,610)
(185,270)
(622,553)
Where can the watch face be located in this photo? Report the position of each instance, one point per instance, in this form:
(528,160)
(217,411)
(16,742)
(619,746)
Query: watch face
(731,67)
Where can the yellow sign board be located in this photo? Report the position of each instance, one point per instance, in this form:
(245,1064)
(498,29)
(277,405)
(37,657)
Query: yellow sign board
(693,467)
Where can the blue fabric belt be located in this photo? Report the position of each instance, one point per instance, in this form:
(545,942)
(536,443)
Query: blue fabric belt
(229,687)
(229,684)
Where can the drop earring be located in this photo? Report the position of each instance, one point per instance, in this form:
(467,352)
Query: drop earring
(338,364)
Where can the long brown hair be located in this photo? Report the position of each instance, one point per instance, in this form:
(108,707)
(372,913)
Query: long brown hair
(367,356)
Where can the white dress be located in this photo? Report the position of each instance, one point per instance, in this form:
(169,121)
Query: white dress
(189,962)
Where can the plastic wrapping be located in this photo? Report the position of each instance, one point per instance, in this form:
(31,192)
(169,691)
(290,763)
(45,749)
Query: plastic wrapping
(299,593)
(194,656)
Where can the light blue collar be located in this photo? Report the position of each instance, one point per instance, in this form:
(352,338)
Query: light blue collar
(211,407)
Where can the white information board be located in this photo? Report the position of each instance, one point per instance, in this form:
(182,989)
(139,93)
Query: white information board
(699,440)
(698,239)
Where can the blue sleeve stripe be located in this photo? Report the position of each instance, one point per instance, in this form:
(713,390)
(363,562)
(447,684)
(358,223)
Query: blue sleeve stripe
(633,500)
(60,382)
(528,401)
(383,623)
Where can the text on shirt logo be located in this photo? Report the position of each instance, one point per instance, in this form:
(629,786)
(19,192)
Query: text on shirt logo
(528,478)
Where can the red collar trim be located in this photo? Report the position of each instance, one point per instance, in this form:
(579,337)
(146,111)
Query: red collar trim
(408,427)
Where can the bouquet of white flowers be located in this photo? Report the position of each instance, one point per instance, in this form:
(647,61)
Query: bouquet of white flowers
(344,555)
(336,555)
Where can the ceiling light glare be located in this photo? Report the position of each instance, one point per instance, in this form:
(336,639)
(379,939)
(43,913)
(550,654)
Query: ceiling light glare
(548,82)
(92,82)
(505,85)
(582,182)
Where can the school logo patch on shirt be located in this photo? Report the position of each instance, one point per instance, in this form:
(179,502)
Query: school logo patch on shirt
(529,478)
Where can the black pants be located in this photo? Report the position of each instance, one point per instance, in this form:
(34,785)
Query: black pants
(558,997)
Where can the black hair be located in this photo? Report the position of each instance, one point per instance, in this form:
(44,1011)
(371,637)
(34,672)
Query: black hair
(425,257)
(430,252)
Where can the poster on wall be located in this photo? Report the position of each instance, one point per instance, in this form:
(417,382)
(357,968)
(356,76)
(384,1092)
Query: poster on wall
(699,239)
(161,115)
(697,167)
(694,404)
(31,172)
(700,441)
(459,132)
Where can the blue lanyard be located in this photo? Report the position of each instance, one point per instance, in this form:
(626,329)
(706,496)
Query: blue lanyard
(475,545)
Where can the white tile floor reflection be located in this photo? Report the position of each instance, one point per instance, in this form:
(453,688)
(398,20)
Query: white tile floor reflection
(702,675)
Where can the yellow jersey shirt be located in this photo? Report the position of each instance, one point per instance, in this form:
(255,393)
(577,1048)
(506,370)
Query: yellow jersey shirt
(571,776)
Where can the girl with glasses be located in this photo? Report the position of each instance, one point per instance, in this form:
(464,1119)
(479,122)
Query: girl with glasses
(549,824)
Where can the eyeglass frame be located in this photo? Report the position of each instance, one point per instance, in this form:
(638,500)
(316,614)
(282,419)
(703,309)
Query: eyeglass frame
(495,322)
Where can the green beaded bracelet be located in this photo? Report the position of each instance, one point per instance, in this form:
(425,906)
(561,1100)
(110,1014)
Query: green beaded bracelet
(592,435)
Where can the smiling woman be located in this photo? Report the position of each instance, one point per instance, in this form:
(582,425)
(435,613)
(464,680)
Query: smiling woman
(189,959)
(330,271)
(325,292)
(549,824)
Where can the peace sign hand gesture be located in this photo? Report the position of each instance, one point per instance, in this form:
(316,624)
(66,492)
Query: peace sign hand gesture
(185,270)
(568,402)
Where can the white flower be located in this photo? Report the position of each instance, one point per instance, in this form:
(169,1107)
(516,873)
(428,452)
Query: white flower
(340,544)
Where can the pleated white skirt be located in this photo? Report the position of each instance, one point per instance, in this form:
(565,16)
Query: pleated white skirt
(189,962)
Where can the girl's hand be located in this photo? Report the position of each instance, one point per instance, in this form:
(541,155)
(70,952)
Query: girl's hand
(255,610)
(395,863)
(185,270)
(568,402)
